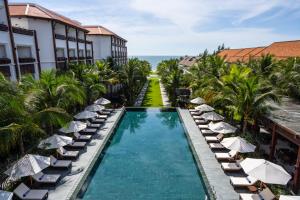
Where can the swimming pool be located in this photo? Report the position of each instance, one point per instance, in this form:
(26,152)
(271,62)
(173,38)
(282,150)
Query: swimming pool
(147,158)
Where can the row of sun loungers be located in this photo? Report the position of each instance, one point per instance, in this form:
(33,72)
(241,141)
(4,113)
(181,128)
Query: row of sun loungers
(228,160)
(67,154)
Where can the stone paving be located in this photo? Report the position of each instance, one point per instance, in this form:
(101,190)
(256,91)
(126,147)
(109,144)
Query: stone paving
(140,98)
(164,95)
(70,186)
(214,176)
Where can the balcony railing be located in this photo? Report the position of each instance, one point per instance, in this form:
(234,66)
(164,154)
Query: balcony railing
(81,58)
(4,61)
(60,37)
(71,39)
(26,60)
(72,58)
(22,31)
(61,58)
(81,40)
(89,57)
(3,27)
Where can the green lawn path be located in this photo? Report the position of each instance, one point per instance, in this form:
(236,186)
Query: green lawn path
(153,95)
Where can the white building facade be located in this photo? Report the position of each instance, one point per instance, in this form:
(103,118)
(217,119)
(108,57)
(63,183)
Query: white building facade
(61,40)
(107,44)
(18,48)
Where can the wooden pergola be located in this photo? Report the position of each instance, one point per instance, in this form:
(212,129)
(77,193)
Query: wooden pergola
(285,121)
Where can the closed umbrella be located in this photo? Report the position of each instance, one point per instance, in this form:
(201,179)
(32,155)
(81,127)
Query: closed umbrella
(55,141)
(221,127)
(212,116)
(94,108)
(86,115)
(205,108)
(198,100)
(27,166)
(288,197)
(265,171)
(238,144)
(102,101)
(73,126)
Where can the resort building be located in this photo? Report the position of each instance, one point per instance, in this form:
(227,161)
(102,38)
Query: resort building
(18,48)
(60,40)
(107,44)
(280,50)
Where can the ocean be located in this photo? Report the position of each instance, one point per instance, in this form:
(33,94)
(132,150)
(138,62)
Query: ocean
(154,60)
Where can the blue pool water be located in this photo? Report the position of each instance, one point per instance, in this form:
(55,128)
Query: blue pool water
(148,158)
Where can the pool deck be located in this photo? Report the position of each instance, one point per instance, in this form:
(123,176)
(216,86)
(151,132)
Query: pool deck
(218,181)
(71,185)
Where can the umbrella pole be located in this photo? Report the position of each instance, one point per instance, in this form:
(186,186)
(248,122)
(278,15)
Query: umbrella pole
(30,180)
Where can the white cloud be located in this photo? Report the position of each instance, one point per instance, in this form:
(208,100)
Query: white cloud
(171,27)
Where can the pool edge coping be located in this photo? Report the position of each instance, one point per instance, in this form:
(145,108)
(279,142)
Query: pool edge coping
(200,167)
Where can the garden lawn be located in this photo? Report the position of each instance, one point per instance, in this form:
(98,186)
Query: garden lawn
(153,95)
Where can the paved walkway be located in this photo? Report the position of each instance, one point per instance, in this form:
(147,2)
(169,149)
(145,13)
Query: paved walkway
(140,98)
(164,95)
(207,163)
(71,185)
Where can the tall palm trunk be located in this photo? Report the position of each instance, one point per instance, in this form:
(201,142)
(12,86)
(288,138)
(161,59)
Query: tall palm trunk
(21,144)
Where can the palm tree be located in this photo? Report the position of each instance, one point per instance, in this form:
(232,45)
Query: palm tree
(246,95)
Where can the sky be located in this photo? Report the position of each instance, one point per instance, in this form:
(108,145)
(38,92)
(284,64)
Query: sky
(186,27)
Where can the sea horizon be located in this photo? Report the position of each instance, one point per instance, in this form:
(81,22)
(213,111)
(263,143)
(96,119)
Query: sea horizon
(154,60)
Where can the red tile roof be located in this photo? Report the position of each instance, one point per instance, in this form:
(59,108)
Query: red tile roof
(37,11)
(100,30)
(282,50)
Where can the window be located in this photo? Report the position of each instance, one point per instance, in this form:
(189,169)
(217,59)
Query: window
(60,52)
(72,53)
(24,51)
(88,53)
(81,54)
(2,51)
(27,69)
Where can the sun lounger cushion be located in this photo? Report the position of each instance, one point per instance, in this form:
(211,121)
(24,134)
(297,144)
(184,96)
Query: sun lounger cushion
(102,117)
(265,194)
(201,121)
(216,146)
(203,126)
(98,121)
(231,166)
(24,192)
(60,163)
(46,178)
(229,155)
(78,145)
(207,132)
(79,137)
(242,181)
(197,117)
(249,196)
(217,138)
(89,131)
(68,154)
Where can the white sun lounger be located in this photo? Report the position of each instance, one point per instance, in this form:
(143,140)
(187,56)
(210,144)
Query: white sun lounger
(79,137)
(24,192)
(201,121)
(265,194)
(197,117)
(226,156)
(203,126)
(214,139)
(72,155)
(60,164)
(242,181)
(51,179)
(216,146)
(227,166)
(207,132)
